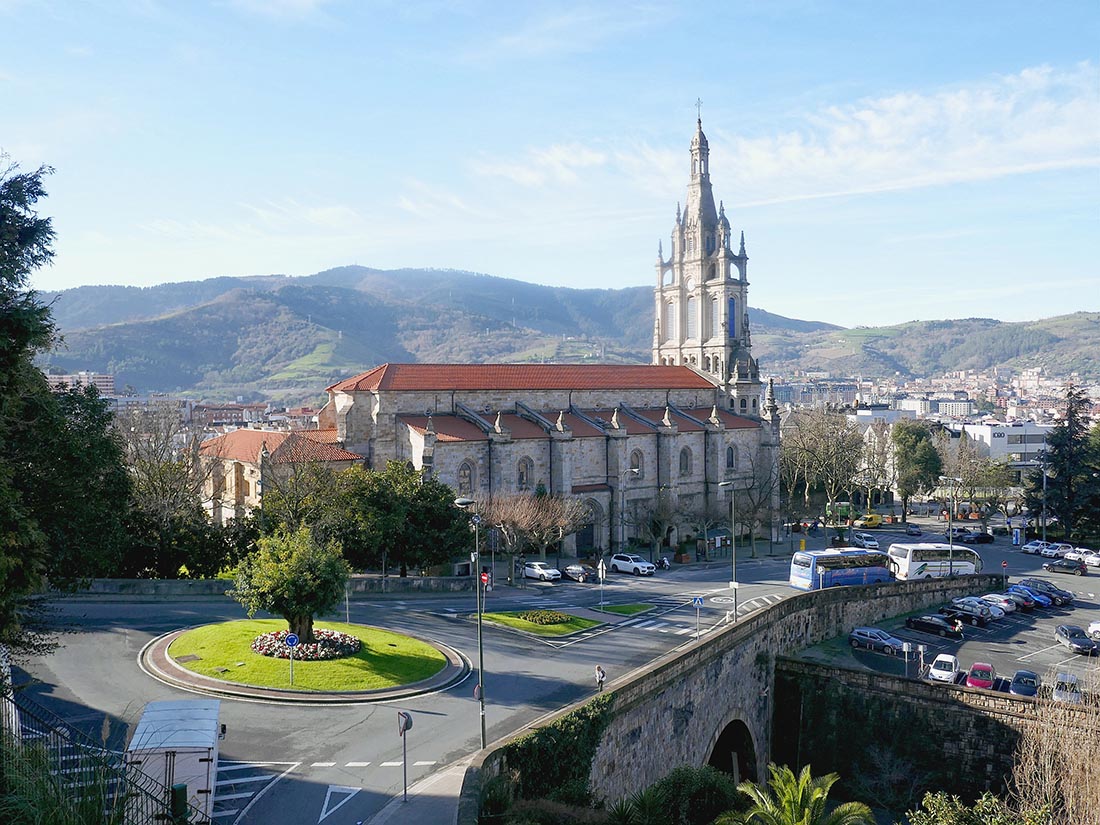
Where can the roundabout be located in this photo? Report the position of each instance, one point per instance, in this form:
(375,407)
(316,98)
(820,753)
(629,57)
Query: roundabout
(220,659)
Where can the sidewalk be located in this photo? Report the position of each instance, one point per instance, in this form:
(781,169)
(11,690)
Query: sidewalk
(432,801)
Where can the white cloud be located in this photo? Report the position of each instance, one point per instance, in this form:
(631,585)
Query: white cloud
(1037,120)
(555,164)
(281,9)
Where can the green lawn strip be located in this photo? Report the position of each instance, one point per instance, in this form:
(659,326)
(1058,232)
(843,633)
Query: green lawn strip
(512,619)
(626,609)
(385,660)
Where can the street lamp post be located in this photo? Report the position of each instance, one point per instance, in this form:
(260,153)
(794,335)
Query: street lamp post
(475,559)
(950,524)
(733,542)
(622,506)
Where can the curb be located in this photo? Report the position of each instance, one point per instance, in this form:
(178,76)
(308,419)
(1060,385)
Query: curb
(154,661)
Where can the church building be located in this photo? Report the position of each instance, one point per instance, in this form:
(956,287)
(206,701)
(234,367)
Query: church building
(619,438)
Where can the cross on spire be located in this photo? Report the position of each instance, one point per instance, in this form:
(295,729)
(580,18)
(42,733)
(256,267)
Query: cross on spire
(699,108)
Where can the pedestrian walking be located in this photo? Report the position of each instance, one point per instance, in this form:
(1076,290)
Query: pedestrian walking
(600,677)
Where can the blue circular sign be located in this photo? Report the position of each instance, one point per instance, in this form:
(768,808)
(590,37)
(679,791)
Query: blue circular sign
(291,639)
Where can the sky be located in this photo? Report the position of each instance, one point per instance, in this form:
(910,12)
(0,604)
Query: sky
(887,161)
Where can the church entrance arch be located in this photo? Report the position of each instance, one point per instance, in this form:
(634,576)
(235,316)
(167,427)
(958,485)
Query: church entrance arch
(734,752)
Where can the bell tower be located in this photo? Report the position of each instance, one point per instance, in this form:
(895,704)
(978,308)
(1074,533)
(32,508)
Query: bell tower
(701,297)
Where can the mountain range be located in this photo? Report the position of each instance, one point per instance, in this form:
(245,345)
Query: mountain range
(286,338)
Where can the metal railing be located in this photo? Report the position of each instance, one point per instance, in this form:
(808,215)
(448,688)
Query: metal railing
(63,770)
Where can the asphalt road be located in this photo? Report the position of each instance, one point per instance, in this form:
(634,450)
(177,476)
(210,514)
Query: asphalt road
(340,765)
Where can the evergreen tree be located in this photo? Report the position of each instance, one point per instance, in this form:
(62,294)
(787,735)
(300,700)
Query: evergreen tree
(1070,463)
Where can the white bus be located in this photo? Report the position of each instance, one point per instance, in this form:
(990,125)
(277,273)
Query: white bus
(927,561)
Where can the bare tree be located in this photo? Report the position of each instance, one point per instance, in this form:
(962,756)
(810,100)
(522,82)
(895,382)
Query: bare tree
(754,499)
(706,514)
(162,453)
(532,521)
(651,519)
(1056,760)
(876,472)
(826,449)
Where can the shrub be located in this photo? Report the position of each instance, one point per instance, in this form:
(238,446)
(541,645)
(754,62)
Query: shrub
(695,796)
(544,617)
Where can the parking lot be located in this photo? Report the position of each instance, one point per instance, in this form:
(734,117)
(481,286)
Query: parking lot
(1021,640)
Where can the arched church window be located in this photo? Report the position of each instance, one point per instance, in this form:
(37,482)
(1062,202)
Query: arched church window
(693,361)
(706,364)
(669,324)
(732,316)
(731,457)
(685,461)
(637,462)
(754,403)
(712,321)
(524,470)
(466,478)
(692,320)
(744,403)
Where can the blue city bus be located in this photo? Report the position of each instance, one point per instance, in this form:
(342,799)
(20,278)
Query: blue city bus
(818,569)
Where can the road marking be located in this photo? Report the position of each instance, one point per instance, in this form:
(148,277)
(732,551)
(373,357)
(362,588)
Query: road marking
(242,780)
(423,763)
(1037,652)
(322,764)
(357,764)
(684,630)
(216,814)
(221,797)
(237,766)
(392,764)
(340,789)
(650,623)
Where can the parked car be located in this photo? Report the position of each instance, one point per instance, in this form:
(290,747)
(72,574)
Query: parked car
(977,538)
(1077,568)
(963,614)
(580,572)
(1040,599)
(1000,600)
(865,540)
(869,521)
(540,570)
(1025,683)
(1022,599)
(981,675)
(945,668)
(913,530)
(1056,594)
(1075,638)
(1056,550)
(981,605)
(629,563)
(1094,630)
(933,624)
(874,638)
(1089,557)
(1066,689)
(1034,547)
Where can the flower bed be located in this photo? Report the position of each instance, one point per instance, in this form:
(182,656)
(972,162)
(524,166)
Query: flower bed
(331,644)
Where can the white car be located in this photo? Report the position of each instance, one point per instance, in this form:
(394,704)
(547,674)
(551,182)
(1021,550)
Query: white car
(945,668)
(1089,557)
(629,563)
(1034,547)
(1056,550)
(1094,630)
(982,608)
(1000,600)
(865,540)
(540,570)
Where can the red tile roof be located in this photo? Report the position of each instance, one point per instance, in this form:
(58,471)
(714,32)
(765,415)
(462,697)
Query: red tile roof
(447,427)
(683,425)
(732,422)
(398,377)
(284,447)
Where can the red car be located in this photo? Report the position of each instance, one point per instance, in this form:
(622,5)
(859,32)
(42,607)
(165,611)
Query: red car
(981,675)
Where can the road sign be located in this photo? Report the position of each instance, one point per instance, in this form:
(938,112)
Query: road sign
(484,578)
(697,601)
(476,520)
(291,640)
(1004,565)
(404,722)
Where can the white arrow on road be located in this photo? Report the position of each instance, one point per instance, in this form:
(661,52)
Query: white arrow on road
(339,789)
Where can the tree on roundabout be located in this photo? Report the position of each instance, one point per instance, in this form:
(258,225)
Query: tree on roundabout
(293,576)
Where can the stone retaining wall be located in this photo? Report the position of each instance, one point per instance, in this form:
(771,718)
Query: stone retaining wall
(217,587)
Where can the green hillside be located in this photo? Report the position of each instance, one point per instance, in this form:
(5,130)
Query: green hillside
(288,338)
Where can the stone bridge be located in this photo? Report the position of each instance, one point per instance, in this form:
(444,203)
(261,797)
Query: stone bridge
(713,702)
